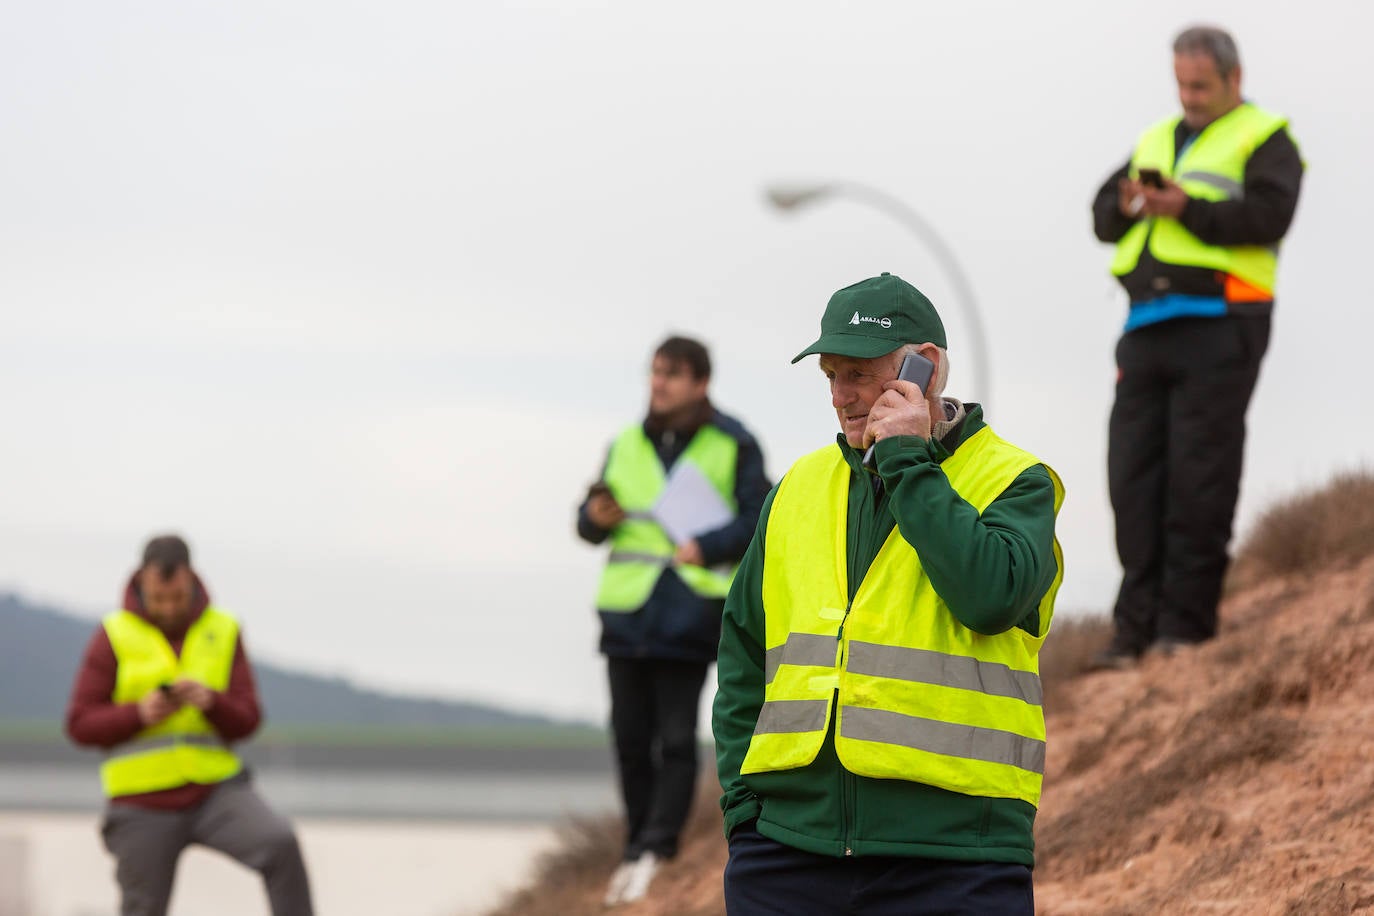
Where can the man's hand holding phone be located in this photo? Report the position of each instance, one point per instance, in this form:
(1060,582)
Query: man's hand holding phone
(902,408)
(193,693)
(1151,194)
(1170,200)
(1130,197)
(602,509)
(157,704)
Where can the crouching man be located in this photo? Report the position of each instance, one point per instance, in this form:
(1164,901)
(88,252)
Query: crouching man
(164,689)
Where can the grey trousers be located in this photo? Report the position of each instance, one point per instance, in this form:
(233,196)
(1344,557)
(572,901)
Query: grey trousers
(234,819)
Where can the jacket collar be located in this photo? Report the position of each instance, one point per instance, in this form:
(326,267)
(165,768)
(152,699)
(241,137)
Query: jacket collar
(967,420)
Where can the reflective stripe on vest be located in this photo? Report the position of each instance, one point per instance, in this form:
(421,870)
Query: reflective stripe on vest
(1212,168)
(640,550)
(800,649)
(142,745)
(946,738)
(183,748)
(921,697)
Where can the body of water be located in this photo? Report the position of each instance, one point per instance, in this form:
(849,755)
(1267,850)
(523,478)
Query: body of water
(517,796)
(397,840)
(53,864)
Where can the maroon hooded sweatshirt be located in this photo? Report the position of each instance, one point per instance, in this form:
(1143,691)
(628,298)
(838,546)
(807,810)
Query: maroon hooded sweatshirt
(95,720)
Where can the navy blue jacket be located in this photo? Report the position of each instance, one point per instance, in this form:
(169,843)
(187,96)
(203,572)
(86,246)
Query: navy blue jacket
(676,622)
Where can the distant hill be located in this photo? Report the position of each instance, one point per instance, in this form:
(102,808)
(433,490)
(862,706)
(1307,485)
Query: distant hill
(40,648)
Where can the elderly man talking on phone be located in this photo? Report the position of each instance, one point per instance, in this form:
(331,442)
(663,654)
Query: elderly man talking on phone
(879,732)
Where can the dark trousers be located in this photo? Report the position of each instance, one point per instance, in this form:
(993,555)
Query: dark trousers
(1175,444)
(767,878)
(654,721)
(234,819)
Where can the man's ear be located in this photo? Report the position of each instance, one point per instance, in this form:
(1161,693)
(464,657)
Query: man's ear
(932,353)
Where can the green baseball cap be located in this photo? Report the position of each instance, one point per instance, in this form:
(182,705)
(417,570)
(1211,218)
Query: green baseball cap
(874,317)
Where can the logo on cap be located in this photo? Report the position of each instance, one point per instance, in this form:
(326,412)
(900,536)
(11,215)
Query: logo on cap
(885,322)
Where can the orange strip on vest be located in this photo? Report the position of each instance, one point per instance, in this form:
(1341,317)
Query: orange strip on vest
(1237,290)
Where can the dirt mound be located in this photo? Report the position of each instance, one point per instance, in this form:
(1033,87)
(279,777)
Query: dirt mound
(1232,778)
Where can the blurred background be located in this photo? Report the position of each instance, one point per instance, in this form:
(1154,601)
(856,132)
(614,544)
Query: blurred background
(355,295)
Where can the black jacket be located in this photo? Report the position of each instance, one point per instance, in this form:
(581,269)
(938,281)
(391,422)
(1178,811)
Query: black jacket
(676,622)
(1273,177)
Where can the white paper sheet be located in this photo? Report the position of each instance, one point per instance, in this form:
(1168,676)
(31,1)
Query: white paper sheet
(689,505)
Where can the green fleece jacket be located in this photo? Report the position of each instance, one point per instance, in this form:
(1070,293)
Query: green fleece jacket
(991,570)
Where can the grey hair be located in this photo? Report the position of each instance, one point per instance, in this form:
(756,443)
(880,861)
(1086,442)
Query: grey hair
(1214,42)
(937,384)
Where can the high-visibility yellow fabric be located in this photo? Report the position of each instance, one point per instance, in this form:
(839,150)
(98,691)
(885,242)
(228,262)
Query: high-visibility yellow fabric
(1212,169)
(953,700)
(183,748)
(640,549)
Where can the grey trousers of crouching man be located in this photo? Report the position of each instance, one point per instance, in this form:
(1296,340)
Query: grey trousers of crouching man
(234,819)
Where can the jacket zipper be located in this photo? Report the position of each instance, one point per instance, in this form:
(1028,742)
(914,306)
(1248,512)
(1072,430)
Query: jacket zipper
(844,774)
(848,783)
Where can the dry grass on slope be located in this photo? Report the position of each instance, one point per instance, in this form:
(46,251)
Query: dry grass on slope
(1312,530)
(588,847)
(571,880)
(1067,655)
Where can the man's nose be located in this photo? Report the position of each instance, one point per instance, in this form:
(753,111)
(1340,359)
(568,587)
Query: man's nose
(840,395)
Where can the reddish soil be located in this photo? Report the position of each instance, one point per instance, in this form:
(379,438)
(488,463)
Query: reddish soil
(1237,778)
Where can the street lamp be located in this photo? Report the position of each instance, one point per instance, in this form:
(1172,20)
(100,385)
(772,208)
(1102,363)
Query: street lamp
(792,198)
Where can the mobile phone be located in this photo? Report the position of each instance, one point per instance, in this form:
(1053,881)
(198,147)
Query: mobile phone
(915,369)
(1151,178)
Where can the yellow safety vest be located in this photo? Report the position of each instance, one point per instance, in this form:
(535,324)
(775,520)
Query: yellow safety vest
(1212,168)
(921,697)
(183,748)
(640,549)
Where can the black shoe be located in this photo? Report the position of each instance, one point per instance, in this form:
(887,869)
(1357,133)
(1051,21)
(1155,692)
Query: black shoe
(1169,646)
(1114,659)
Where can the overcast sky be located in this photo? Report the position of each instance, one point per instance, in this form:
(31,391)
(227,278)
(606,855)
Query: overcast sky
(355,295)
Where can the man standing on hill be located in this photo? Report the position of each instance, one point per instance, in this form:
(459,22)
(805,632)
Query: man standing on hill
(879,731)
(165,688)
(660,600)
(1197,215)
